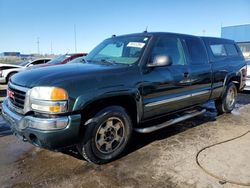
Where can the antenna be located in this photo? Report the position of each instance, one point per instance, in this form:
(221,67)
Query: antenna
(146,29)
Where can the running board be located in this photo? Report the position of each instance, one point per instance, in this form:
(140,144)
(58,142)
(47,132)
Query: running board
(170,122)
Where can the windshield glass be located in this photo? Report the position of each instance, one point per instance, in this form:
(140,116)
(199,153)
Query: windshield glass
(122,50)
(24,63)
(77,60)
(58,60)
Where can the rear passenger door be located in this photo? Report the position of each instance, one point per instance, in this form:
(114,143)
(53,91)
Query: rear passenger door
(199,70)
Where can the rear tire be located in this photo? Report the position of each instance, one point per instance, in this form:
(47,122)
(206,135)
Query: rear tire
(227,102)
(106,135)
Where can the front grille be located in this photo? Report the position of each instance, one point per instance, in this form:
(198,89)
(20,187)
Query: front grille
(18,97)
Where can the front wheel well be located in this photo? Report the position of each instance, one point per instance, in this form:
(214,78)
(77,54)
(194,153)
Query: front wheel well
(127,102)
(236,80)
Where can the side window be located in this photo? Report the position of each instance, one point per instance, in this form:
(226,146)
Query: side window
(171,47)
(231,50)
(46,60)
(113,50)
(196,50)
(37,62)
(218,50)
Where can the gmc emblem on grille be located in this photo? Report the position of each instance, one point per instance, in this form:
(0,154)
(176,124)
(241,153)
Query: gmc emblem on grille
(10,94)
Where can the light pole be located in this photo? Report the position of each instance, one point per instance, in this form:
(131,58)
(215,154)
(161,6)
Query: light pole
(75,37)
(51,49)
(38,42)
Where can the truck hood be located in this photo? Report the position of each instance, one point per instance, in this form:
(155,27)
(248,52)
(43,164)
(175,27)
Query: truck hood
(63,74)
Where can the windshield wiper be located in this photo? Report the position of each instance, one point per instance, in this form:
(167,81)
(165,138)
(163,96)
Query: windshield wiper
(108,61)
(102,61)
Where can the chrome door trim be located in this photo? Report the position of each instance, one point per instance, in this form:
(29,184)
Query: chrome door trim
(176,98)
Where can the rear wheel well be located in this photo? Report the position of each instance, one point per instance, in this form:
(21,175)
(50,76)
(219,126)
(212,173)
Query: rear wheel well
(127,102)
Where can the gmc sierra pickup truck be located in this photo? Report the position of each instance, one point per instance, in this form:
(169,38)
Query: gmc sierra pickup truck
(121,84)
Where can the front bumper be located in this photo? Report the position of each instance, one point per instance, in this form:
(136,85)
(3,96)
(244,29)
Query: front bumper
(51,139)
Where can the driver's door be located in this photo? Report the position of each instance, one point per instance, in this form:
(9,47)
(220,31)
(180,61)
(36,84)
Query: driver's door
(166,88)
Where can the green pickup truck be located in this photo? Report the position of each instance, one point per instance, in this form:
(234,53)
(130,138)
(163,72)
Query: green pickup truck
(124,82)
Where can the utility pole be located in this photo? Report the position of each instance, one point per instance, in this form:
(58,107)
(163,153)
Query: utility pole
(38,42)
(51,49)
(75,37)
(203,32)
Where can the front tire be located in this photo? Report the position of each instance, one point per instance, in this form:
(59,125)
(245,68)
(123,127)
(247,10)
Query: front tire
(106,135)
(227,102)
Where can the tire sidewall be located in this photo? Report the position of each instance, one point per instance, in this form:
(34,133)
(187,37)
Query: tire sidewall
(227,108)
(89,144)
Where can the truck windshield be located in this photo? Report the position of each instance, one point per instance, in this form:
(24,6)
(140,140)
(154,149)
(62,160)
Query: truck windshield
(121,50)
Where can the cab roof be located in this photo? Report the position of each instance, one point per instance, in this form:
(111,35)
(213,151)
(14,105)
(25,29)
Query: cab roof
(177,34)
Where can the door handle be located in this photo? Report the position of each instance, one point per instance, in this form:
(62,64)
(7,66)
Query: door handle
(186,74)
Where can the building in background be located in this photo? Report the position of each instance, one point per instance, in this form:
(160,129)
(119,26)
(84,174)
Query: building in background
(240,34)
(15,54)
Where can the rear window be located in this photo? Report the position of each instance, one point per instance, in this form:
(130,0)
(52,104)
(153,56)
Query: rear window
(231,50)
(218,50)
(196,50)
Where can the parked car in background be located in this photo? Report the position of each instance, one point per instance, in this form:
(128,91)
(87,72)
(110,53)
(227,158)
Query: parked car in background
(247,87)
(60,60)
(8,70)
(78,60)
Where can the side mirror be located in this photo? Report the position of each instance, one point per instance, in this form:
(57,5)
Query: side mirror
(161,61)
(30,65)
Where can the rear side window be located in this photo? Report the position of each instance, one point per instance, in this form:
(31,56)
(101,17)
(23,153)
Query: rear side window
(218,50)
(196,50)
(231,50)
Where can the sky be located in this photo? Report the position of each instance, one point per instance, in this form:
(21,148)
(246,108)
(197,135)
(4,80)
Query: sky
(24,22)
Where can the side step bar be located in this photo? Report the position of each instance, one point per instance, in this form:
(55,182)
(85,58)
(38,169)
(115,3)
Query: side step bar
(170,122)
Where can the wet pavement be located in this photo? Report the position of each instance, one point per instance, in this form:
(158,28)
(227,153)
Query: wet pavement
(165,158)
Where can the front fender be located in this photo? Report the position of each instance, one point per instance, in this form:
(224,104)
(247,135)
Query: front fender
(86,99)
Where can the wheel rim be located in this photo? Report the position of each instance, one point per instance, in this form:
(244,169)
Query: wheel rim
(110,135)
(231,97)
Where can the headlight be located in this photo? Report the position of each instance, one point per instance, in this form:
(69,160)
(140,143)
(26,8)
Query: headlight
(48,99)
